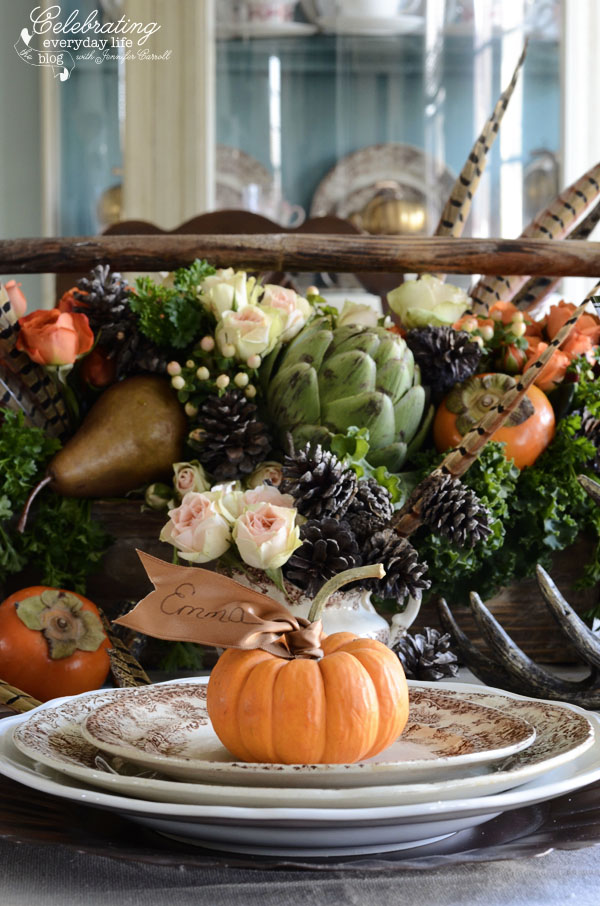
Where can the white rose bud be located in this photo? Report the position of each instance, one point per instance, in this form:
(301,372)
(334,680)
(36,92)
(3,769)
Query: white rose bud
(353,313)
(159,496)
(266,535)
(189,476)
(197,529)
(428,301)
(229,498)
(225,291)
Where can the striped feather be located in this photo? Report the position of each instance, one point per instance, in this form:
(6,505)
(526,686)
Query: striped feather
(35,377)
(457,461)
(15,395)
(456,210)
(554,222)
(538,288)
(126,670)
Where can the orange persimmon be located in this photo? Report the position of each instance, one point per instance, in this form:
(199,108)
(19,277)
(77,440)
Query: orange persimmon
(523,441)
(52,643)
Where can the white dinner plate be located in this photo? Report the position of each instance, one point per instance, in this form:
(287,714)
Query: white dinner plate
(304,831)
(53,737)
(167,728)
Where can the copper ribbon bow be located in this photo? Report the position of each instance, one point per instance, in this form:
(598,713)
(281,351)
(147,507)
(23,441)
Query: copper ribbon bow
(189,604)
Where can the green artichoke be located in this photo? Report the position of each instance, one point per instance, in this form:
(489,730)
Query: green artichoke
(329,380)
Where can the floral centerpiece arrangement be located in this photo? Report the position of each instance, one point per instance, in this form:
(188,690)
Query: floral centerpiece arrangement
(308,428)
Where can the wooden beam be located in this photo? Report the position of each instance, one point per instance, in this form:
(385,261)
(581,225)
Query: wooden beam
(304,252)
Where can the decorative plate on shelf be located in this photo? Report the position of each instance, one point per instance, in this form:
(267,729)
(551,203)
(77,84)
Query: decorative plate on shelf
(235,171)
(264,30)
(371,26)
(167,728)
(401,172)
(53,737)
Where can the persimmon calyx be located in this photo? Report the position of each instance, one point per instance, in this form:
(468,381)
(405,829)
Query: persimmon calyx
(60,618)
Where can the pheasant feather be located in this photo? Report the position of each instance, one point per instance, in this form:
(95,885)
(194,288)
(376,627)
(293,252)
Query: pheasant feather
(554,222)
(16,396)
(40,385)
(538,288)
(457,207)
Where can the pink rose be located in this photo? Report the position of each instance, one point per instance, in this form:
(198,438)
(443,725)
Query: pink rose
(197,529)
(270,471)
(266,536)
(293,309)
(266,493)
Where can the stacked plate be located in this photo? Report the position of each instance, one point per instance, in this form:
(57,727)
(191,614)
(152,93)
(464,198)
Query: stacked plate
(467,754)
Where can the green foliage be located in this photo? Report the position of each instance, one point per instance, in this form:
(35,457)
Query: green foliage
(60,538)
(23,450)
(536,512)
(183,656)
(352,447)
(173,316)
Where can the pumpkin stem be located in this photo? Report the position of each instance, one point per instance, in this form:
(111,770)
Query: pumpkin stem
(375,571)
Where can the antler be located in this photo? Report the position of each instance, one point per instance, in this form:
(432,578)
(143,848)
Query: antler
(456,210)
(510,667)
(552,223)
(456,463)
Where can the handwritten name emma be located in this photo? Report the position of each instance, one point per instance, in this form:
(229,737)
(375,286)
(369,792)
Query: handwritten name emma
(230,613)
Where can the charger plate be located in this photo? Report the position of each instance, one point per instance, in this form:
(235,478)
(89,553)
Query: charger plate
(53,737)
(167,728)
(302,832)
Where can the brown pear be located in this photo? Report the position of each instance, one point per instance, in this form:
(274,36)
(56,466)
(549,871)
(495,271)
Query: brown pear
(130,437)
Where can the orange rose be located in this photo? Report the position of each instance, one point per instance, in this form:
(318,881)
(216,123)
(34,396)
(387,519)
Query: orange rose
(54,337)
(553,373)
(17,299)
(68,300)
(559,314)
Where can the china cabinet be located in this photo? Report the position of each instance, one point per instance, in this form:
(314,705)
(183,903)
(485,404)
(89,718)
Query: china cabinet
(294,110)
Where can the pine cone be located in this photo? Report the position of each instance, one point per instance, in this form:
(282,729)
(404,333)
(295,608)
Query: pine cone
(427,656)
(590,429)
(404,573)
(328,548)
(104,299)
(453,510)
(445,356)
(370,509)
(230,439)
(320,484)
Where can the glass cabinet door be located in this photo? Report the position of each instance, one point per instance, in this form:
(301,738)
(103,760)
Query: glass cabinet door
(371,117)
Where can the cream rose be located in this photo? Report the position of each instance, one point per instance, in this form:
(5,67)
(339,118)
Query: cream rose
(266,493)
(189,476)
(428,301)
(293,309)
(354,313)
(197,528)
(251,331)
(227,290)
(229,498)
(266,536)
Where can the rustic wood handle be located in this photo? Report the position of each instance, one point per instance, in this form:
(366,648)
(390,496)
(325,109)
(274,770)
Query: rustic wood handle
(302,252)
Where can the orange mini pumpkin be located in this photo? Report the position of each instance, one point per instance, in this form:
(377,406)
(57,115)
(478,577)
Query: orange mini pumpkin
(344,707)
